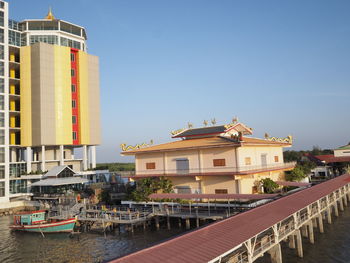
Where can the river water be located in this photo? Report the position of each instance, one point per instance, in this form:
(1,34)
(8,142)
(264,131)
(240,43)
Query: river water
(331,247)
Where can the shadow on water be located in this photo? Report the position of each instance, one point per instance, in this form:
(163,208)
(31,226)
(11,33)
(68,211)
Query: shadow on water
(333,246)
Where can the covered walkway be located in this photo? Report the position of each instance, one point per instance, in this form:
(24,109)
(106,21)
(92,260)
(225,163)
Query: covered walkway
(247,236)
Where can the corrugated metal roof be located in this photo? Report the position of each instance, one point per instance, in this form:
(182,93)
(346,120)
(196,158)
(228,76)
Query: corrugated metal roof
(212,196)
(60,181)
(209,242)
(56,170)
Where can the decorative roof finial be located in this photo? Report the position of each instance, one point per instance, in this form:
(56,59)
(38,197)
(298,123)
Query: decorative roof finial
(190,125)
(205,122)
(49,15)
(213,121)
(235,120)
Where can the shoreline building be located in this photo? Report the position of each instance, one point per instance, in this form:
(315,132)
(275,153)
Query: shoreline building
(49,100)
(214,160)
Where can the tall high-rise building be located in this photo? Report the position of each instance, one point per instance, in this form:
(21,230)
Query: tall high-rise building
(49,100)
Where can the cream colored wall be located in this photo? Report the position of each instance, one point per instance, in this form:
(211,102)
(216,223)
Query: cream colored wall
(210,183)
(255,154)
(208,155)
(339,153)
(248,181)
(185,181)
(142,159)
(199,160)
(191,155)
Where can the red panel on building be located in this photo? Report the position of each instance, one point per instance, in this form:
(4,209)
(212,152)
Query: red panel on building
(75,96)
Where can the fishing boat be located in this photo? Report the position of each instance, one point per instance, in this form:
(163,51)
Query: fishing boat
(35,221)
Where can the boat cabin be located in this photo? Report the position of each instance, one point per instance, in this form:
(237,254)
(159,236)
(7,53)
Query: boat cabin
(29,218)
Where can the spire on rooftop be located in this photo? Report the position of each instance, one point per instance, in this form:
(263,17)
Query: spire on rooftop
(50,15)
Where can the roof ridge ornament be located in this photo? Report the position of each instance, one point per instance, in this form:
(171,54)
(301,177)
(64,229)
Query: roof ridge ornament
(288,139)
(49,15)
(126,147)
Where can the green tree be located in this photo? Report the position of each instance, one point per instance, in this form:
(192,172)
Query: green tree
(147,186)
(297,174)
(269,185)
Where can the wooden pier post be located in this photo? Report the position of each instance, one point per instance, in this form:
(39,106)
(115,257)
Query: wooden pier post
(336,212)
(276,254)
(144,225)
(188,226)
(311,232)
(197,222)
(341,205)
(304,231)
(329,215)
(320,224)
(345,200)
(168,222)
(291,243)
(299,243)
(180,223)
(157,222)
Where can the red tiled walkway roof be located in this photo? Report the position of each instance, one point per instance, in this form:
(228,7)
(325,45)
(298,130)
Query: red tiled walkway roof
(215,239)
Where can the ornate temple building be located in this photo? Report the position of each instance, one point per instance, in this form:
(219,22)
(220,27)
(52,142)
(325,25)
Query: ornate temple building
(213,160)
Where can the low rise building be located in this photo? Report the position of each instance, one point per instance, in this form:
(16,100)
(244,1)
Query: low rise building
(213,160)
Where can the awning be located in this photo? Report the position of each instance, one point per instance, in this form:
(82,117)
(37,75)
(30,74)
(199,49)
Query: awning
(60,181)
(212,196)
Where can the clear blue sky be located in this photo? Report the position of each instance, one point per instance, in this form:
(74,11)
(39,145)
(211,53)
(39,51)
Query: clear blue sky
(282,67)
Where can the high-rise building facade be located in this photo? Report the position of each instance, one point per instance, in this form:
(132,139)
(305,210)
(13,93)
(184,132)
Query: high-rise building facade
(49,100)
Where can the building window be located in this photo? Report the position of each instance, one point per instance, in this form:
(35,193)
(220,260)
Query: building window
(2,155)
(2,119)
(182,166)
(247,161)
(220,191)
(2,85)
(1,35)
(2,102)
(74,104)
(53,40)
(2,188)
(72,57)
(150,166)
(70,43)
(74,119)
(2,172)
(219,162)
(276,159)
(73,88)
(255,190)
(2,68)
(2,52)
(72,72)
(2,137)
(74,136)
